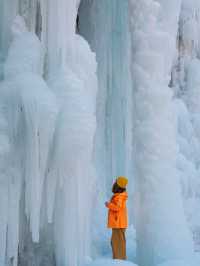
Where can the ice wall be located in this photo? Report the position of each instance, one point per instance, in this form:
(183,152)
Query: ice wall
(105,25)
(48,175)
(185,83)
(48,120)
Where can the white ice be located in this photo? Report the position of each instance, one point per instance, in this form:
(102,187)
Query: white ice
(76,111)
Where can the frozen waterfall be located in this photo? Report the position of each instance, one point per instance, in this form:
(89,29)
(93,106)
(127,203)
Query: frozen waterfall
(90,90)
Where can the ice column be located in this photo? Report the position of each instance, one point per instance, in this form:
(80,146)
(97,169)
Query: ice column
(162,230)
(105,25)
(72,78)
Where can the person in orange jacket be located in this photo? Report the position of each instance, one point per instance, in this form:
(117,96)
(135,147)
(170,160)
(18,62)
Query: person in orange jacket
(118,217)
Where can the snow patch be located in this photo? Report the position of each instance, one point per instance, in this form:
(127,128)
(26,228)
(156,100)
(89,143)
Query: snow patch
(110,262)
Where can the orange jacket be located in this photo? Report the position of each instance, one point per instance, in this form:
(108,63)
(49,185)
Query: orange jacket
(117,213)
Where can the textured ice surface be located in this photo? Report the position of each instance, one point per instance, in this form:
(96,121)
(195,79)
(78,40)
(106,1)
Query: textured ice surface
(50,130)
(160,219)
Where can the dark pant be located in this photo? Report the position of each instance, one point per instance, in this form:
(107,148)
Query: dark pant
(118,243)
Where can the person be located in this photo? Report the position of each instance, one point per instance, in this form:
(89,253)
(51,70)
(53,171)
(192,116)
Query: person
(118,217)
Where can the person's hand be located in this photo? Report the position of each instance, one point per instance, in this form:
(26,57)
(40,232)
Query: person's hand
(106,204)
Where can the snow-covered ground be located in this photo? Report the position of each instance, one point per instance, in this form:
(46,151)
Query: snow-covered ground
(109,262)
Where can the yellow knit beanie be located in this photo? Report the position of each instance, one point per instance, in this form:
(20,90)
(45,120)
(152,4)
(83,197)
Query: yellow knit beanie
(122,181)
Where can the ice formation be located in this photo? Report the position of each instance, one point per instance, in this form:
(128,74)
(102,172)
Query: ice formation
(90,90)
(51,126)
(160,219)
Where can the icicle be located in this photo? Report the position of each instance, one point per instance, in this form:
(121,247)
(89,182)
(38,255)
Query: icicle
(5,189)
(37,116)
(4,218)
